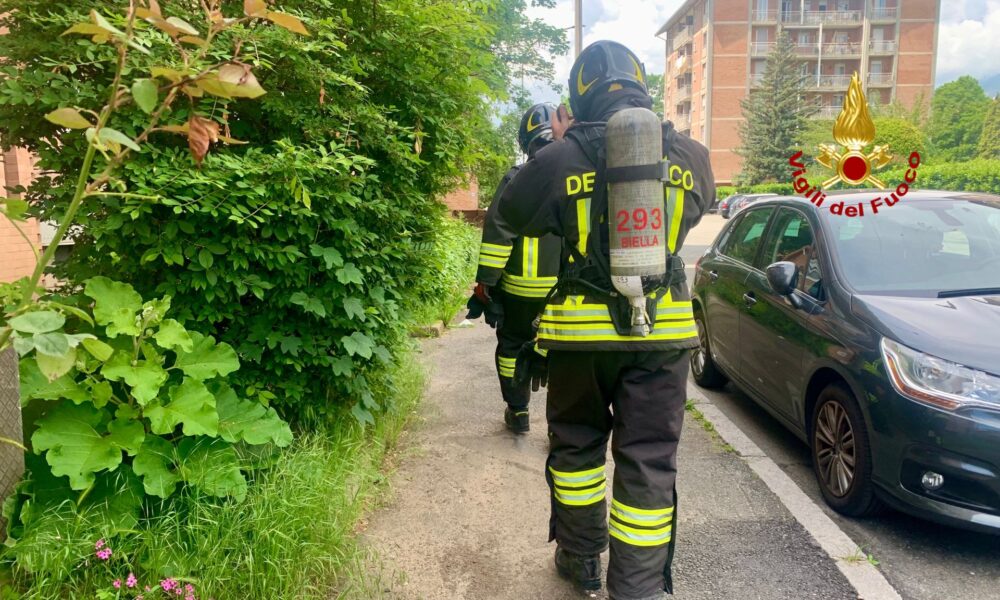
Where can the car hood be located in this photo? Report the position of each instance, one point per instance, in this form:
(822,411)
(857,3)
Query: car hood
(964,330)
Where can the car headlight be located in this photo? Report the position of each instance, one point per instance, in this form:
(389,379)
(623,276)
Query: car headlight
(938,382)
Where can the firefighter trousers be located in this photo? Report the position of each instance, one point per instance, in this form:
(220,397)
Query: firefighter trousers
(637,399)
(517,329)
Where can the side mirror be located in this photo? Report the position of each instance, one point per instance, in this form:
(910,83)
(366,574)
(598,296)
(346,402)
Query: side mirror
(783,277)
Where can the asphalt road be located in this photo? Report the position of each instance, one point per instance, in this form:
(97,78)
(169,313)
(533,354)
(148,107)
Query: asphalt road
(922,560)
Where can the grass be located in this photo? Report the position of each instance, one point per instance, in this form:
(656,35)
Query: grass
(699,417)
(861,555)
(293,537)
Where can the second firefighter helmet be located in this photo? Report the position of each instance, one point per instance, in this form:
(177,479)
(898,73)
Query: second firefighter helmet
(536,127)
(603,67)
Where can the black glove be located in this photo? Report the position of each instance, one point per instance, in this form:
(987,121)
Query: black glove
(531,366)
(482,302)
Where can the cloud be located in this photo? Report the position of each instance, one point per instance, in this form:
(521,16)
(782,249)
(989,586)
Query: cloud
(964,43)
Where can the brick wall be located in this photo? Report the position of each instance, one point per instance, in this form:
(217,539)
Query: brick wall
(16,257)
(464,199)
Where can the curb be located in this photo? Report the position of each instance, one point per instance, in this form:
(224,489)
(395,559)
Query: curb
(865,578)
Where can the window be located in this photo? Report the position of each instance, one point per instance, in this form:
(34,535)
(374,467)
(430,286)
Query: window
(878,33)
(876,67)
(803,38)
(744,238)
(791,239)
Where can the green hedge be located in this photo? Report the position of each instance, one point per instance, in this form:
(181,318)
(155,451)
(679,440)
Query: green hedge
(307,248)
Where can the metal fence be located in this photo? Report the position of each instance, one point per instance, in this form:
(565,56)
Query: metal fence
(11,457)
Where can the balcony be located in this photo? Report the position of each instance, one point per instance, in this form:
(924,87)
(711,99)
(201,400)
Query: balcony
(828,112)
(815,17)
(683,94)
(842,49)
(765,16)
(682,65)
(883,46)
(682,37)
(833,81)
(761,48)
(810,49)
(845,17)
(880,79)
(883,14)
(682,122)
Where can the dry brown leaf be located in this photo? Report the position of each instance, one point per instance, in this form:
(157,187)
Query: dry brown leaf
(289,22)
(254,8)
(201,134)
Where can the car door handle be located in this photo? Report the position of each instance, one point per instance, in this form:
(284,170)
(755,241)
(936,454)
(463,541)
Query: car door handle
(750,299)
(713,275)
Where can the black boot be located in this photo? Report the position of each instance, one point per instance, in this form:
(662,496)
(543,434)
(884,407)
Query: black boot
(583,571)
(517,419)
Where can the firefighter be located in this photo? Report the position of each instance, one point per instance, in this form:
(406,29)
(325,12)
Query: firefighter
(605,380)
(515,275)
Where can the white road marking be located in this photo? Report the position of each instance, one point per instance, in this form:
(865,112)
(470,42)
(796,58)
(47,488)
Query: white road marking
(865,578)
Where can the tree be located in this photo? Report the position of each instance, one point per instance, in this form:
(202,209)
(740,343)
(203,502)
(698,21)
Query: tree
(917,114)
(775,116)
(989,142)
(958,111)
(654,83)
(522,46)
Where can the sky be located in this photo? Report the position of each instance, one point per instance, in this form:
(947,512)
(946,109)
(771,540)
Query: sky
(968,39)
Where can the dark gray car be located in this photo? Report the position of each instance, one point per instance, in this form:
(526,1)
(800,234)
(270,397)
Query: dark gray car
(876,340)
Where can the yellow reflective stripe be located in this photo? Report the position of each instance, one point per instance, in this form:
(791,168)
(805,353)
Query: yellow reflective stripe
(507,361)
(489,261)
(676,195)
(611,336)
(506,373)
(541,351)
(583,223)
(640,537)
(495,249)
(582,497)
(571,477)
(533,262)
(640,516)
(527,287)
(505,366)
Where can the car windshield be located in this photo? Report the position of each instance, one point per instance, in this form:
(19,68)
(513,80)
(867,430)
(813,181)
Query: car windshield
(922,248)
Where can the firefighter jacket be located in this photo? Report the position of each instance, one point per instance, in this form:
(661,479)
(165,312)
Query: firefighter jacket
(552,193)
(525,267)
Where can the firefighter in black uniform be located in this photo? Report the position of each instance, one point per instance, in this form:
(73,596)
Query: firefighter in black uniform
(602,381)
(515,275)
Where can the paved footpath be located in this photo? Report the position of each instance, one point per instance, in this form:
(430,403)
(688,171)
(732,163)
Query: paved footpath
(469,512)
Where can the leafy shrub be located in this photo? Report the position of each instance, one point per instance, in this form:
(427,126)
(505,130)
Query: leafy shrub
(303,249)
(128,402)
(292,537)
(450,265)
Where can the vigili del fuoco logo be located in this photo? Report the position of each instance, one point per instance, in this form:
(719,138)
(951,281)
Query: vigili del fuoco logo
(854,130)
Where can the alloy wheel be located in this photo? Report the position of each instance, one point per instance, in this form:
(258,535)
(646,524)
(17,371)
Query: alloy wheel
(698,354)
(835,448)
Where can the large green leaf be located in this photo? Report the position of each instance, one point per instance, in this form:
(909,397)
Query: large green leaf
(249,421)
(36,386)
(191,405)
(358,344)
(115,305)
(76,447)
(155,463)
(146,94)
(207,359)
(54,367)
(212,466)
(42,321)
(173,336)
(145,377)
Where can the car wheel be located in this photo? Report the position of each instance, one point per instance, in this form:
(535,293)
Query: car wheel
(841,453)
(706,373)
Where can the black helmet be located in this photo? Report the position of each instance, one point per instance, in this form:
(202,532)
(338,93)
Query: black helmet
(599,67)
(536,124)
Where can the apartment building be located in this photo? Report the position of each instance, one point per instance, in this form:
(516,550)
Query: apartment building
(716,51)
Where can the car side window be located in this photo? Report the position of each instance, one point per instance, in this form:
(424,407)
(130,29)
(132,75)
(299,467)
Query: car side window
(791,239)
(744,238)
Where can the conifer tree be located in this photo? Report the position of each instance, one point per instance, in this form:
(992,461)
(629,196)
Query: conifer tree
(989,141)
(774,116)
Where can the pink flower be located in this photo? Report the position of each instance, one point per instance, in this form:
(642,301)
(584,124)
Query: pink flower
(131,581)
(104,553)
(189,588)
(168,584)
(99,544)
(117,583)
(139,597)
